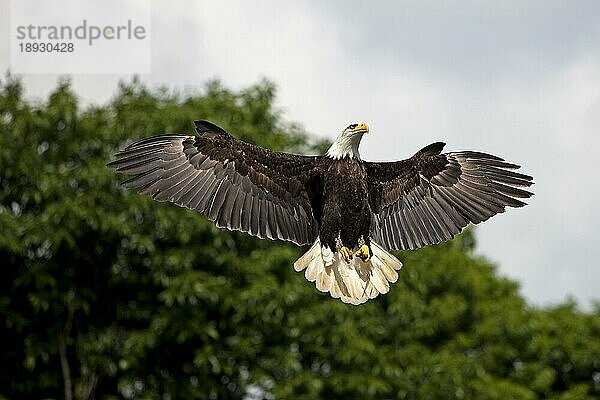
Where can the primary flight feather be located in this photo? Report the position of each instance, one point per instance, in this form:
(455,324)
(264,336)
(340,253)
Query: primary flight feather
(351,211)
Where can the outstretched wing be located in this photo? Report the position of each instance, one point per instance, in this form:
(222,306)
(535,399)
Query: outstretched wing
(431,197)
(237,185)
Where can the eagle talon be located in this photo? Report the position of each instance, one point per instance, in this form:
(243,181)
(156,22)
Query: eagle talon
(346,254)
(363,253)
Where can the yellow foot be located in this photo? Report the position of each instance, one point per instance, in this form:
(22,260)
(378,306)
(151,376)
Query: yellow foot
(346,254)
(363,253)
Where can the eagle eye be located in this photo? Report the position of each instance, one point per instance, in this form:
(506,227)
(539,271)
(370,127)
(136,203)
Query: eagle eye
(352,126)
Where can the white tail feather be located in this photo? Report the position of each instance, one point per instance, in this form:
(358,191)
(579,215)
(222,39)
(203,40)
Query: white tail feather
(354,282)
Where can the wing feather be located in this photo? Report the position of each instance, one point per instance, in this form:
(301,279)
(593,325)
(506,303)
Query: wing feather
(431,197)
(246,220)
(236,184)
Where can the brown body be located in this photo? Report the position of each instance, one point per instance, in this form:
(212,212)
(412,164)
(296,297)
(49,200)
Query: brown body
(346,215)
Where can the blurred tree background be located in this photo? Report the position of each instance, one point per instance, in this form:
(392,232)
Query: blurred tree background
(107,294)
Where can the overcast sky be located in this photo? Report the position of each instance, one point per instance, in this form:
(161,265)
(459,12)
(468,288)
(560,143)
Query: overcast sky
(520,79)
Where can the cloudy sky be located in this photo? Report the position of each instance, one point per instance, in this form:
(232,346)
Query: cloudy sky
(520,79)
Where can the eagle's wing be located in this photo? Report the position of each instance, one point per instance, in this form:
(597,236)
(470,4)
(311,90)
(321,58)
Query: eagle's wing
(430,197)
(237,185)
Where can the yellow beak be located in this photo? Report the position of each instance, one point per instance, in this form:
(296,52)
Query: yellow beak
(362,128)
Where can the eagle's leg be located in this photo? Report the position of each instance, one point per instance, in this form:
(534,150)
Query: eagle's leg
(364,253)
(346,254)
(344,251)
(364,250)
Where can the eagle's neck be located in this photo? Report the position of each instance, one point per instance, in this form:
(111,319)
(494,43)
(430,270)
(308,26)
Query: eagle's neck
(345,146)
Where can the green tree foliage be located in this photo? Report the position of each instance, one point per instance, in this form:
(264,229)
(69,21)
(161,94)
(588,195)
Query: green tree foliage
(108,294)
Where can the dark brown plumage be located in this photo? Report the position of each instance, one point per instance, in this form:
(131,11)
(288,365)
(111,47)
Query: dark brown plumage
(431,197)
(338,202)
(237,185)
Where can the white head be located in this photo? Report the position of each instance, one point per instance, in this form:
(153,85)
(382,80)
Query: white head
(346,144)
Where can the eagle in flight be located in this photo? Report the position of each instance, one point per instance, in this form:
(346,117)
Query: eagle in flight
(352,212)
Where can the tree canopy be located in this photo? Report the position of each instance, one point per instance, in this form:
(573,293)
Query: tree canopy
(108,294)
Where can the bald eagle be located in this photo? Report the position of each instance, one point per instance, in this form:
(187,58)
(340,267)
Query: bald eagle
(352,212)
